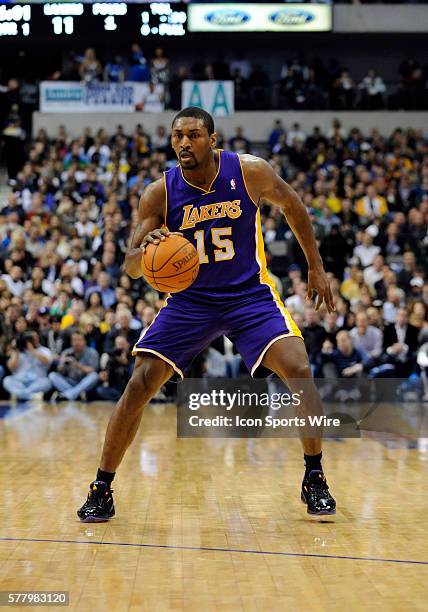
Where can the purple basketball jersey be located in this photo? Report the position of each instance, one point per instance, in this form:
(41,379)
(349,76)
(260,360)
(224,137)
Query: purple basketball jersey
(223,223)
(232,294)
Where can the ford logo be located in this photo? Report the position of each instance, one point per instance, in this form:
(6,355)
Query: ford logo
(227,17)
(291,17)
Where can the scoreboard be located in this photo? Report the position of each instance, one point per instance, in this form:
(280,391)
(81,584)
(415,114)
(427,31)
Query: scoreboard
(82,22)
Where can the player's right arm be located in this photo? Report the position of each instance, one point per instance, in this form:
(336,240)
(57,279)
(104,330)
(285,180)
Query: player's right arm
(149,228)
(150,218)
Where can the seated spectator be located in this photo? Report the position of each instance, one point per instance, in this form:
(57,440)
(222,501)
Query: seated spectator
(313,335)
(407,272)
(121,328)
(374,317)
(344,361)
(374,273)
(90,70)
(140,70)
(392,304)
(14,281)
(19,254)
(38,283)
(347,215)
(239,143)
(294,272)
(147,319)
(400,342)
(295,134)
(159,68)
(269,231)
(328,219)
(90,328)
(103,287)
(350,287)
(29,363)
(114,71)
(296,303)
(366,339)
(276,133)
(110,266)
(13,207)
(71,320)
(371,206)
(76,371)
(116,372)
(160,140)
(366,251)
(55,338)
(343,96)
(94,306)
(331,327)
(152,101)
(418,317)
(372,89)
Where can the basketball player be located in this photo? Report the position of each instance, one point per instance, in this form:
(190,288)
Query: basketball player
(212,197)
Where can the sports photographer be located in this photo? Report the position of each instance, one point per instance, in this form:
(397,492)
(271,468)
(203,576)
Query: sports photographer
(117,371)
(29,363)
(76,371)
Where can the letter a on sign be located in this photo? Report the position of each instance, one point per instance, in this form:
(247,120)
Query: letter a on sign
(220,102)
(195,96)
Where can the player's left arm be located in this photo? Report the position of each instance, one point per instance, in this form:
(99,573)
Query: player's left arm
(265,186)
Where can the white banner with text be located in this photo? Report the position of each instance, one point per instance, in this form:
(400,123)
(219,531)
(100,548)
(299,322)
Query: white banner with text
(69,96)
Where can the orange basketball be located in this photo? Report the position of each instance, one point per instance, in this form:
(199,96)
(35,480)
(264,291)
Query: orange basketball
(171,265)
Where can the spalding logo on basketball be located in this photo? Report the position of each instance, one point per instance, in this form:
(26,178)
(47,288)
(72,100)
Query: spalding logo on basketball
(170,266)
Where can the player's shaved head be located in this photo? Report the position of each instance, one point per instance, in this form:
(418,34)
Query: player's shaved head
(196,113)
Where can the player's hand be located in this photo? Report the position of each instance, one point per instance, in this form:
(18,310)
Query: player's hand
(318,283)
(155,236)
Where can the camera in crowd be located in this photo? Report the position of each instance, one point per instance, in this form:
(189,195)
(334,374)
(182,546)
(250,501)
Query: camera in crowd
(23,339)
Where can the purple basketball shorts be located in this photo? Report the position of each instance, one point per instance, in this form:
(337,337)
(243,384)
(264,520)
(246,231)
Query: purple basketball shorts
(252,318)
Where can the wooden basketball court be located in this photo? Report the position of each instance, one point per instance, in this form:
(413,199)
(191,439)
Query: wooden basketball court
(207,524)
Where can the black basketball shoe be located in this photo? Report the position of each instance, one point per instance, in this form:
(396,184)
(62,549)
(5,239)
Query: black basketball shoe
(99,506)
(316,496)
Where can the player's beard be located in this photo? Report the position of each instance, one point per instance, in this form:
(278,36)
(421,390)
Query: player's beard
(189,163)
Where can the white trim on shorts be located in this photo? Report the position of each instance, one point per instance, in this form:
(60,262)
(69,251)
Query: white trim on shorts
(269,344)
(168,361)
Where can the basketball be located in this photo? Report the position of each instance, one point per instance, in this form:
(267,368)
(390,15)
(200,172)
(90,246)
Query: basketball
(170,266)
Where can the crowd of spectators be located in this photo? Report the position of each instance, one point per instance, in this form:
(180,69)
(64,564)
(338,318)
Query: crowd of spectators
(69,316)
(299,85)
(316,84)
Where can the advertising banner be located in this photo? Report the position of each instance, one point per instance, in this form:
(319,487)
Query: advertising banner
(69,96)
(241,17)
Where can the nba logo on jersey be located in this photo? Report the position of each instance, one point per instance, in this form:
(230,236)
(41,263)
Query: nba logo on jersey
(233,184)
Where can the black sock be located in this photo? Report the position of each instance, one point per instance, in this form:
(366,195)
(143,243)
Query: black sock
(312,462)
(106,477)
